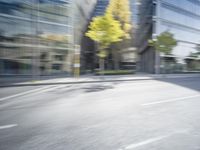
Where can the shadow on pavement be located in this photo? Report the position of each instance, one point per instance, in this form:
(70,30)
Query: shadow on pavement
(97,88)
(191,83)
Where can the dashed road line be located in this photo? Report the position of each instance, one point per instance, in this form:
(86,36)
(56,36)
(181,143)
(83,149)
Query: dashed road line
(8,126)
(50,89)
(25,93)
(171,100)
(149,141)
(152,140)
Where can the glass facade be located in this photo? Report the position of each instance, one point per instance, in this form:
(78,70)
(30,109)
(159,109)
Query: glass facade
(33,34)
(39,36)
(180,17)
(100,7)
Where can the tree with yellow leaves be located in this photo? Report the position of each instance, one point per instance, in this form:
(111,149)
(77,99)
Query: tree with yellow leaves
(105,30)
(120,10)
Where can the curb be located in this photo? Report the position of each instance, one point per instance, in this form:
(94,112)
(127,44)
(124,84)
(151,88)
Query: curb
(76,82)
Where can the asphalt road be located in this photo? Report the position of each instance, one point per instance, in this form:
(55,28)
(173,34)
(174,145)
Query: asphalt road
(140,115)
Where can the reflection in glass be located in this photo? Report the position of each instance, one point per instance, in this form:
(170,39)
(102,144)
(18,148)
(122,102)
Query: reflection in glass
(34,34)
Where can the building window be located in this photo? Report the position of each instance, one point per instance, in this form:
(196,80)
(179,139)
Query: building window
(154,9)
(154,27)
(57,66)
(59,57)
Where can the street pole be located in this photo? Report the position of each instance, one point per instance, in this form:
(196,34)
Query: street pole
(36,49)
(38,42)
(77,61)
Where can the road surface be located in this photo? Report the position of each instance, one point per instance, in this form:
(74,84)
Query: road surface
(140,115)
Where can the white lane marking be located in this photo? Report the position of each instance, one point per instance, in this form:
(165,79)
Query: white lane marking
(132,146)
(152,140)
(23,93)
(50,89)
(170,100)
(8,126)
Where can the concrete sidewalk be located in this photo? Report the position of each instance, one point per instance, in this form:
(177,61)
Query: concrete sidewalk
(93,79)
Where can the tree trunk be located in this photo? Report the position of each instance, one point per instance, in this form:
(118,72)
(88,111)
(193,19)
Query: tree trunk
(115,57)
(164,66)
(116,54)
(101,65)
(116,60)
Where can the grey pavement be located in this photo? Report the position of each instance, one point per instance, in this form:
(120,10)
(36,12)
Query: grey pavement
(157,114)
(50,80)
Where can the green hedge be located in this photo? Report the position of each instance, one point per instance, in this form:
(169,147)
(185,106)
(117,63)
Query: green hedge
(115,72)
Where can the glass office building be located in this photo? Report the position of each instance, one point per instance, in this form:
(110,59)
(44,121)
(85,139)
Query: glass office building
(38,36)
(180,17)
(89,60)
(128,56)
(100,7)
